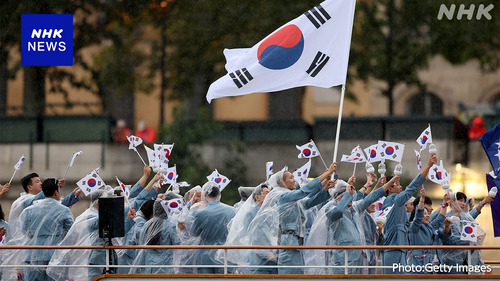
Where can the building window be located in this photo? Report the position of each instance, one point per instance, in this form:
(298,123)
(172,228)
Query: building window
(425,104)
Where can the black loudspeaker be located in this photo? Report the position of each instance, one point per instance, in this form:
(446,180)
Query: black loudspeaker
(111,217)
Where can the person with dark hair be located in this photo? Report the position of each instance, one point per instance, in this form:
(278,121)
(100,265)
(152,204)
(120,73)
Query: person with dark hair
(396,228)
(44,224)
(210,224)
(32,185)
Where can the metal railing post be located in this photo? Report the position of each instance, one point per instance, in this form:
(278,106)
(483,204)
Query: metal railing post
(469,255)
(225,261)
(346,260)
(107,260)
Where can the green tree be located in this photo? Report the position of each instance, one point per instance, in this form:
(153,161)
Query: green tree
(393,39)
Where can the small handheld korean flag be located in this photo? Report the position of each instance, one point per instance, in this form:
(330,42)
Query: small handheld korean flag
(71,162)
(438,174)
(425,138)
(90,182)
(391,150)
(17,167)
(469,231)
(419,160)
(74,157)
(302,172)
(164,151)
(170,175)
(308,150)
(269,169)
(219,179)
(173,206)
(124,188)
(372,153)
(19,163)
(356,156)
(153,159)
(134,142)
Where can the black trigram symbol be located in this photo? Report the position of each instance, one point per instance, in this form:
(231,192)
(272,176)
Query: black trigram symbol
(241,77)
(318,63)
(317,16)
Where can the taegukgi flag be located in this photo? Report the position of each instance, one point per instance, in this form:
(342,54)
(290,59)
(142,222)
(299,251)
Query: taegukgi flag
(269,169)
(308,150)
(302,172)
(124,188)
(356,156)
(425,138)
(312,49)
(372,153)
(391,150)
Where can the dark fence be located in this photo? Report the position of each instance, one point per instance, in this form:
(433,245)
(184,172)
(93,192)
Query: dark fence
(353,128)
(61,128)
(96,128)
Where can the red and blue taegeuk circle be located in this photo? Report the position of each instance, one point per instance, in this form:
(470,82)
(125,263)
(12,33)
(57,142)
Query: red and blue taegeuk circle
(282,49)
(389,150)
(91,182)
(468,230)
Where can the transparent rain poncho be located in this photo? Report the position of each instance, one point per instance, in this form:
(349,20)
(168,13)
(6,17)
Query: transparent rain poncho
(245,192)
(338,224)
(281,221)
(84,232)
(157,231)
(208,226)
(238,231)
(43,224)
(459,216)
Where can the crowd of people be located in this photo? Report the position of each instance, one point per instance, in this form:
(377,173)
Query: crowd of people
(279,211)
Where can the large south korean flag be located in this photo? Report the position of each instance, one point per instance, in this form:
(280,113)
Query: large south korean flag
(312,49)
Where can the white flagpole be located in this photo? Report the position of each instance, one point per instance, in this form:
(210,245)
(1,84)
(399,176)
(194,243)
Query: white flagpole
(67,168)
(339,120)
(12,176)
(140,157)
(342,96)
(354,171)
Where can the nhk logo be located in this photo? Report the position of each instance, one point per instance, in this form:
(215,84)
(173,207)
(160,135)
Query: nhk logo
(46,40)
(483,11)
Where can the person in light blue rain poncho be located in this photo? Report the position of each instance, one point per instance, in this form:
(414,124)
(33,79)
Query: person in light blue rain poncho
(131,238)
(284,213)
(210,226)
(460,215)
(238,233)
(157,231)
(340,222)
(423,231)
(396,228)
(44,224)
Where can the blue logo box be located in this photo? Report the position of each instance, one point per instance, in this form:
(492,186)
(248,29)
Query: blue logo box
(46,40)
